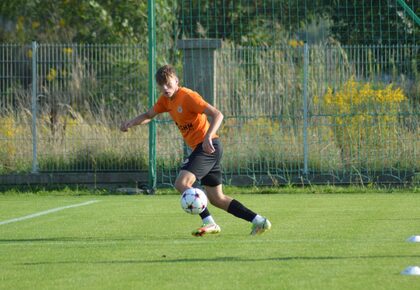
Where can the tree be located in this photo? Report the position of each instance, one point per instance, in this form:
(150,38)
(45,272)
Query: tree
(67,21)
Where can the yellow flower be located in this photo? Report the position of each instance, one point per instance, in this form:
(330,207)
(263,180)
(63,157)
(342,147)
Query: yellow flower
(8,127)
(19,23)
(52,74)
(68,50)
(364,111)
(35,24)
(328,96)
(295,43)
(8,130)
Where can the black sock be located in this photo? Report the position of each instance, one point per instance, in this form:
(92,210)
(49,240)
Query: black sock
(239,210)
(205,213)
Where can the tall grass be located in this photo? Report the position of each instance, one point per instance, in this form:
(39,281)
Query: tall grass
(260,92)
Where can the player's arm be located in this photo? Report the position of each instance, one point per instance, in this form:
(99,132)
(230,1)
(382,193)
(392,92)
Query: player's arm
(139,120)
(216,118)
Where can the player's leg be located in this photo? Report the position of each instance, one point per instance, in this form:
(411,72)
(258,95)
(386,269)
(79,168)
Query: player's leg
(184,181)
(217,198)
(212,182)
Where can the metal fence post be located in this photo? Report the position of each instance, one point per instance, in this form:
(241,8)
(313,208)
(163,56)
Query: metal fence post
(152,92)
(305,107)
(34,106)
(409,11)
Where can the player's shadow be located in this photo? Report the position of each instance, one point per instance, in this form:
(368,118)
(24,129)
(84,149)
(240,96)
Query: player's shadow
(165,259)
(34,240)
(63,239)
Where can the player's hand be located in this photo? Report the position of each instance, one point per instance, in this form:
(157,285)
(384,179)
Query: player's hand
(208,146)
(125,125)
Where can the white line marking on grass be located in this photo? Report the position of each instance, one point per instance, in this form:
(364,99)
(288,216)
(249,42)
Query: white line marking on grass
(46,212)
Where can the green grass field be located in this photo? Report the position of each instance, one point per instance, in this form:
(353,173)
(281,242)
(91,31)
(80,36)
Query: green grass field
(318,241)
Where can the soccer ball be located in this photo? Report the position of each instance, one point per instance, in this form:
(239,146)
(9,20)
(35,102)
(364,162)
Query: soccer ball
(193,201)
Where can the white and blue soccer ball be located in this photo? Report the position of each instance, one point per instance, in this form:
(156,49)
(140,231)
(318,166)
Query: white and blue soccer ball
(193,201)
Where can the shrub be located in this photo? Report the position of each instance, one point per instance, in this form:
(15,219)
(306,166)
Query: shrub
(364,118)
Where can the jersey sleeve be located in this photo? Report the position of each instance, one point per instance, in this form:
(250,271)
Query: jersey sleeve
(196,103)
(160,106)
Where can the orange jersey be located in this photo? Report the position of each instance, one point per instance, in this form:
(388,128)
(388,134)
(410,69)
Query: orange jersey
(186,108)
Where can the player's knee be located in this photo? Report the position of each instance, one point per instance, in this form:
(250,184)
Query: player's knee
(181,185)
(183,182)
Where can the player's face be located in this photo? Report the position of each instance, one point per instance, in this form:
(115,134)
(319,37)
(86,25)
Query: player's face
(170,87)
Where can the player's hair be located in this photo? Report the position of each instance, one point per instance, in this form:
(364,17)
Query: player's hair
(164,74)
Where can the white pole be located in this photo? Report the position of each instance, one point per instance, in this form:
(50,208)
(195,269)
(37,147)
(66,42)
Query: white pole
(305,108)
(34,107)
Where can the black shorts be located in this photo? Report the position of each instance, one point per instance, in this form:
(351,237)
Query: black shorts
(206,167)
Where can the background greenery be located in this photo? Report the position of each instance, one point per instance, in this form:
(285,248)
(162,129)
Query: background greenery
(93,72)
(243,22)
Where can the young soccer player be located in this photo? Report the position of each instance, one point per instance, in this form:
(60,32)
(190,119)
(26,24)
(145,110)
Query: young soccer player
(189,112)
